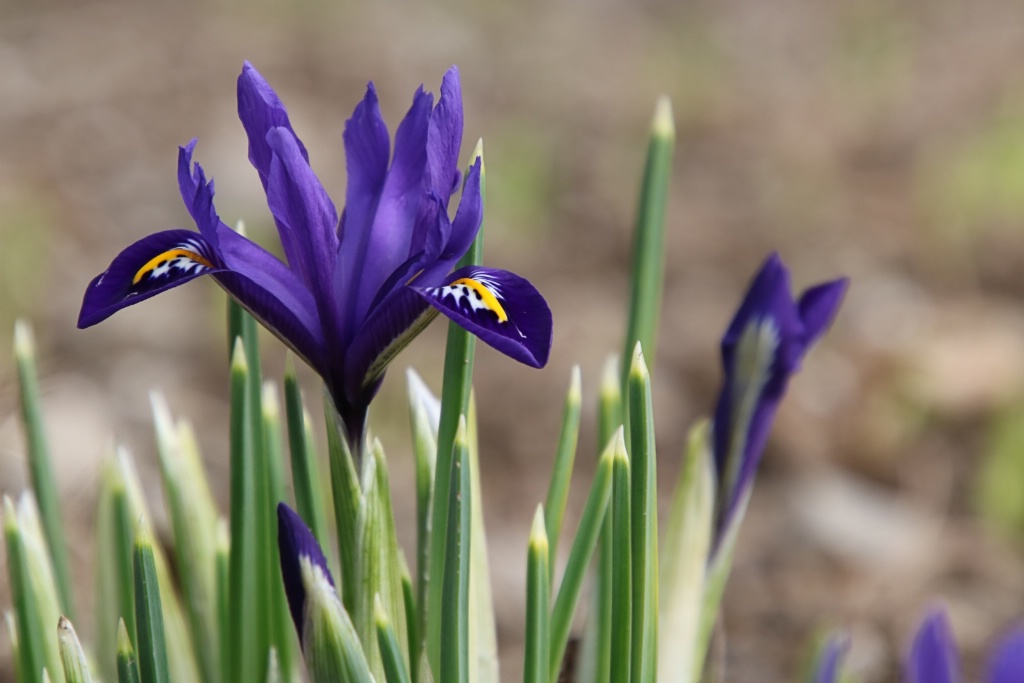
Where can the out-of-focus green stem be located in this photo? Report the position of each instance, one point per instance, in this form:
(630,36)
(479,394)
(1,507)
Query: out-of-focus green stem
(40,467)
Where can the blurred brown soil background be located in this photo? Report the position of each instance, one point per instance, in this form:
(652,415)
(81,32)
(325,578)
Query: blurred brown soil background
(883,141)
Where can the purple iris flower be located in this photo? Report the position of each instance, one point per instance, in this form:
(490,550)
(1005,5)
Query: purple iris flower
(297,545)
(933,656)
(762,347)
(355,289)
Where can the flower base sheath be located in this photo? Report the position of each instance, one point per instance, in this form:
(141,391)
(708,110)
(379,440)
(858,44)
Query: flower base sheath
(354,290)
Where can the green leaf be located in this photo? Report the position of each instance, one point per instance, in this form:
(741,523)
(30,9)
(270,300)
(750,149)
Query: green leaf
(591,523)
(687,542)
(305,471)
(127,662)
(423,411)
(455,394)
(649,237)
(40,467)
(331,646)
(644,522)
(149,618)
(719,566)
(595,653)
(380,565)
(193,513)
(621,589)
(482,627)
(395,670)
(245,567)
(561,476)
(282,637)
(72,659)
(454,636)
(538,621)
(348,498)
(31,613)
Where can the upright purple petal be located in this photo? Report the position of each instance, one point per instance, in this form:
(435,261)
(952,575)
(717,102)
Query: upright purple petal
(261,110)
(1007,662)
(151,265)
(444,141)
(296,544)
(933,657)
(468,218)
(502,309)
(367,148)
(388,242)
(305,213)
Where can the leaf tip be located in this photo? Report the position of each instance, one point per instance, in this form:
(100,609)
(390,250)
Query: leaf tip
(663,126)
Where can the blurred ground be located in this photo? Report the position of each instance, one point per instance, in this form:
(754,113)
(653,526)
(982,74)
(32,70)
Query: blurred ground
(879,140)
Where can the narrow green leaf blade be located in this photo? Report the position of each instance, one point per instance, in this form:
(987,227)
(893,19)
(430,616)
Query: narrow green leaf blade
(380,567)
(193,513)
(348,498)
(458,371)
(395,670)
(454,636)
(305,471)
(622,580)
(536,665)
(687,542)
(127,661)
(149,618)
(331,646)
(29,624)
(591,524)
(649,237)
(40,467)
(565,456)
(72,659)
(245,567)
(644,521)
(281,633)
(482,627)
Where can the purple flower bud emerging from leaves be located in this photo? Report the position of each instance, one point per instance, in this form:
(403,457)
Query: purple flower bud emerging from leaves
(763,346)
(355,289)
(827,666)
(933,655)
(300,554)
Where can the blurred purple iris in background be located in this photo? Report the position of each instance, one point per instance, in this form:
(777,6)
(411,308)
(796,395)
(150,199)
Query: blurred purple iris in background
(933,656)
(761,349)
(356,289)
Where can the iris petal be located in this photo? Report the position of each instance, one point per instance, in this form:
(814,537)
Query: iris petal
(444,141)
(1007,663)
(933,656)
(501,308)
(305,213)
(378,252)
(260,110)
(152,265)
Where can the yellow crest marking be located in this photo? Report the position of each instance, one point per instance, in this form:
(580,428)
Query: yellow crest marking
(166,256)
(486,296)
